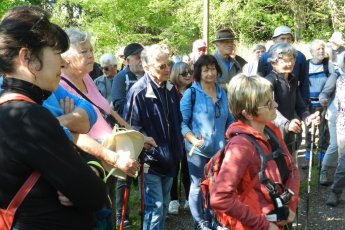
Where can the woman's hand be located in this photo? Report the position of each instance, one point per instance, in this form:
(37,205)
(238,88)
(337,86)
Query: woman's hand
(290,219)
(127,165)
(198,142)
(313,118)
(149,142)
(295,126)
(273,226)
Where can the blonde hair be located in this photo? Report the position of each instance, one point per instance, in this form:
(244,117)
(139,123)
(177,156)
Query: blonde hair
(176,70)
(246,93)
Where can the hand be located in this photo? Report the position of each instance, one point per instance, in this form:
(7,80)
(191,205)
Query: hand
(149,142)
(295,126)
(314,118)
(198,142)
(290,219)
(127,165)
(324,102)
(64,200)
(273,227)
(67,105)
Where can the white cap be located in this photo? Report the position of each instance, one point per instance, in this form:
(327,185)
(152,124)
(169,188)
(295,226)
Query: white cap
(337,38)
(281,30)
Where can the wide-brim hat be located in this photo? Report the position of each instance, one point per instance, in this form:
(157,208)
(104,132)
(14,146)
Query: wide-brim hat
(128,142)
(337,38)
(223,35)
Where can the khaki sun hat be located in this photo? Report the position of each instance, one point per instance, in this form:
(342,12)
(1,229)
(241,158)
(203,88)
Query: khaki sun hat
(128,142)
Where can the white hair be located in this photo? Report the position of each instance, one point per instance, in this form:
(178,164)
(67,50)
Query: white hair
(107,60)
(76,37)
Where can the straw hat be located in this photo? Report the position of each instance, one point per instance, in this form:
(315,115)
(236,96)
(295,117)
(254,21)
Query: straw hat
(128,142)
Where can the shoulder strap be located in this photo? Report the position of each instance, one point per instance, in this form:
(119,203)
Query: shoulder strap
(14,97)
(83,95)
(23,192)
(325,63)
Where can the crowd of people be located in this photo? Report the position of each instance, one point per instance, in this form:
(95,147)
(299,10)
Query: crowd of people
(57,106)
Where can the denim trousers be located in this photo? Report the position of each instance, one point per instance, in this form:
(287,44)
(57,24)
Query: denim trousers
(196,164)
(339,175)
(156,198)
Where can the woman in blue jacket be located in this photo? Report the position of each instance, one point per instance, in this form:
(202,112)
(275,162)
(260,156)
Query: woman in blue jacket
(204,108)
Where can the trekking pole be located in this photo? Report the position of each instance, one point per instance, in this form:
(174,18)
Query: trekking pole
(294,153)
(125,200)
(309,173)
(321,144)
(142,204)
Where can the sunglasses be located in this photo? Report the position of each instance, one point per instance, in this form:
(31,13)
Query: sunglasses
(186,74)
(218,109)
(106,68)
(163,66)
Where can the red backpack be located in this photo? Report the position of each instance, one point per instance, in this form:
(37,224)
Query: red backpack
(7,215)
(211,172)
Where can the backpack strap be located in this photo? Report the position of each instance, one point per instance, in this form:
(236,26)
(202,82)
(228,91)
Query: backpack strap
(325,63)
(31,181)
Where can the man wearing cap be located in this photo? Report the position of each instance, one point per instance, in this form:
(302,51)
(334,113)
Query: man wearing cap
(104,83)
(337,43)
(199,48)
(300,70)
(153,108)
(225,45)
(127,77)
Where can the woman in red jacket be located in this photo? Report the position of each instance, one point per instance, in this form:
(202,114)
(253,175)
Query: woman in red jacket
(241,188)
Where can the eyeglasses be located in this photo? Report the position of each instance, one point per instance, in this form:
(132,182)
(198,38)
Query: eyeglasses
(186,74)
(40,22)
(163,66)
(105,68)
(269,105)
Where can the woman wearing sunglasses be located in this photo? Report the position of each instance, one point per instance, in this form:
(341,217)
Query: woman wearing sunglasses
(204,108)
(32,139)
(182,76)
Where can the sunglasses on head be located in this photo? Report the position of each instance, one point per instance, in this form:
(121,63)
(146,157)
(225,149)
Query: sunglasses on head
(186,73)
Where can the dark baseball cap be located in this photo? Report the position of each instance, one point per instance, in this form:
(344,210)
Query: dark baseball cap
(132,48)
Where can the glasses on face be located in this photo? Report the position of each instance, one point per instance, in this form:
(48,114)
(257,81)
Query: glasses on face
(163,66)
(105,68)
(269,105)
(186,74)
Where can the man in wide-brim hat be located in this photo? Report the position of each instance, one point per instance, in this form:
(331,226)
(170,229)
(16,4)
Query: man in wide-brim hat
(225,47)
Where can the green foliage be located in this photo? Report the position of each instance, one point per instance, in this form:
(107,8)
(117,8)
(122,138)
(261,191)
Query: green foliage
(115,23)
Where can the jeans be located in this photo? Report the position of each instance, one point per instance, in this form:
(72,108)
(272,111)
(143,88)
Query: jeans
(157,198)
(196,165)
(331,155)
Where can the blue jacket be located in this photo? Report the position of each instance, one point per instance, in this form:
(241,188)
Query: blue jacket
(145,112)
(52,104)
(207,119)
(300,71)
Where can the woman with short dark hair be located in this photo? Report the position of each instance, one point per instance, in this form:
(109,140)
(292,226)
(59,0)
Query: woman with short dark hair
(32,140)
(204,108)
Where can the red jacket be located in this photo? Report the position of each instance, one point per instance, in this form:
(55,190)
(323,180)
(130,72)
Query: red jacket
(240,166)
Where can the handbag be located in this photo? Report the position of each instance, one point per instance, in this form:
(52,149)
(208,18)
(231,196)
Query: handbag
(7,215)
(107,117)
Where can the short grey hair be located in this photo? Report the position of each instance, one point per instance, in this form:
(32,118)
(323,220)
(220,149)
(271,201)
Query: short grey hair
(150,54)
(76,37)
(315,43)
(278,50)
(107,60)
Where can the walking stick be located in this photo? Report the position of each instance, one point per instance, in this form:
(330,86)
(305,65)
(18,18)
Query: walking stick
(142,204)
(309,173)
(124,204)
(321,144)
(294,153)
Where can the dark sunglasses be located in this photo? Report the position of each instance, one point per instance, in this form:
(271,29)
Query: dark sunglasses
(106,68)
(218,109)
(186,73)
(163,66)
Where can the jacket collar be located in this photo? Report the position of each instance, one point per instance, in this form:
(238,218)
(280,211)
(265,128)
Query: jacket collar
(150,92)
